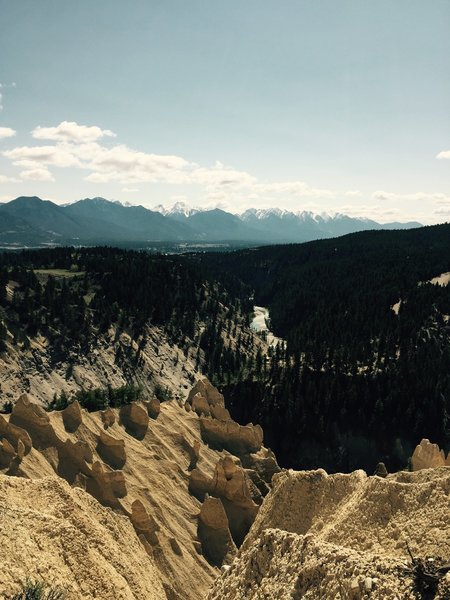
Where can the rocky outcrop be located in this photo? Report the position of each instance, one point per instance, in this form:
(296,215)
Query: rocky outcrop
(231,484)
(108,417)
(220,412)
(31,417)
(380,470)
(428,456)
(261,466)
(72,417)
(229,481)
(146,477)
(111,450)
(15,435)
(199,405)
(193,451)
(73,459)
(9,458)
(144,525)
(106,485)
(135,420)
(240,490)
(343,536)
(205,389)
(153,407)
(199,484)
(206,401)
(228,435)
(61,535)
(214,534)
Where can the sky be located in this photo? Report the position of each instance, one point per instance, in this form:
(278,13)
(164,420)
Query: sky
(321,105)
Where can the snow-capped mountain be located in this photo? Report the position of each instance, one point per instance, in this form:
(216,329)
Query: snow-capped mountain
(270,224)
(305,225)
(30,220)
(180,210)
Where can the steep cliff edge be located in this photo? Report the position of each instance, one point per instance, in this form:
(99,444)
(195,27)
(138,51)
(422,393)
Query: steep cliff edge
(344,536)
(144,462)
(147,501)
(55,533)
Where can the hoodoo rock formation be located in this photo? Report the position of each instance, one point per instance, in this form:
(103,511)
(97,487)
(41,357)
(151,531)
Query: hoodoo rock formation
(140,462)
(214,533)
(15,434)
(428,456)
(231,484)
(72,416)
(217,428)
(239,490)
(344,536)
(228,435)
(143,523)
(148,500)
(112,450)
(135,420)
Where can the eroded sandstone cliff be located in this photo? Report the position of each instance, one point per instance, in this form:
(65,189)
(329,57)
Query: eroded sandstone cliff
(344,536)
(148,463)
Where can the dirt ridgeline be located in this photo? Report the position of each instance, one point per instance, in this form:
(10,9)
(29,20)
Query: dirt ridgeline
(344,536)
(147,501)
(174,480)
(55,533)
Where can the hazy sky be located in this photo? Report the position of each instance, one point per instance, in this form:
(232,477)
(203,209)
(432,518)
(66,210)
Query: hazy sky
(325,105)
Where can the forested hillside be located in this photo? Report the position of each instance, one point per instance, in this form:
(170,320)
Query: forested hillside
(74,303)
(361,381)
(364,375)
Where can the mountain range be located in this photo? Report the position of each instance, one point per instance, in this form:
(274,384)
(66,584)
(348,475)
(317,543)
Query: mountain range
(31,221)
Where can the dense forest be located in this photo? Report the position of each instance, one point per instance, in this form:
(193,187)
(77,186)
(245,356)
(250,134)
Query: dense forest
(360,381)
(73,296)
(357,382)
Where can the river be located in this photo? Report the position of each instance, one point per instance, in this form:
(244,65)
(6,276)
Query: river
(260,324)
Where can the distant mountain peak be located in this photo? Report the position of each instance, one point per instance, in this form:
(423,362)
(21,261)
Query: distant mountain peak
(177,209)
(265,213)
(34,199)
(124,203)
(96,200)
(30,218)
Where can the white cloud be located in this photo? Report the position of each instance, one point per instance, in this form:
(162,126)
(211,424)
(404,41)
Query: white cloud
(444,211)
(293,188)
(374,212)
(70,131)
(6,132)
(6,179)
(77,146)
(41,174)
(444,201)
(444,154)
(35,156)
(125,165)
(415,197)
(220,176)
(82,147)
